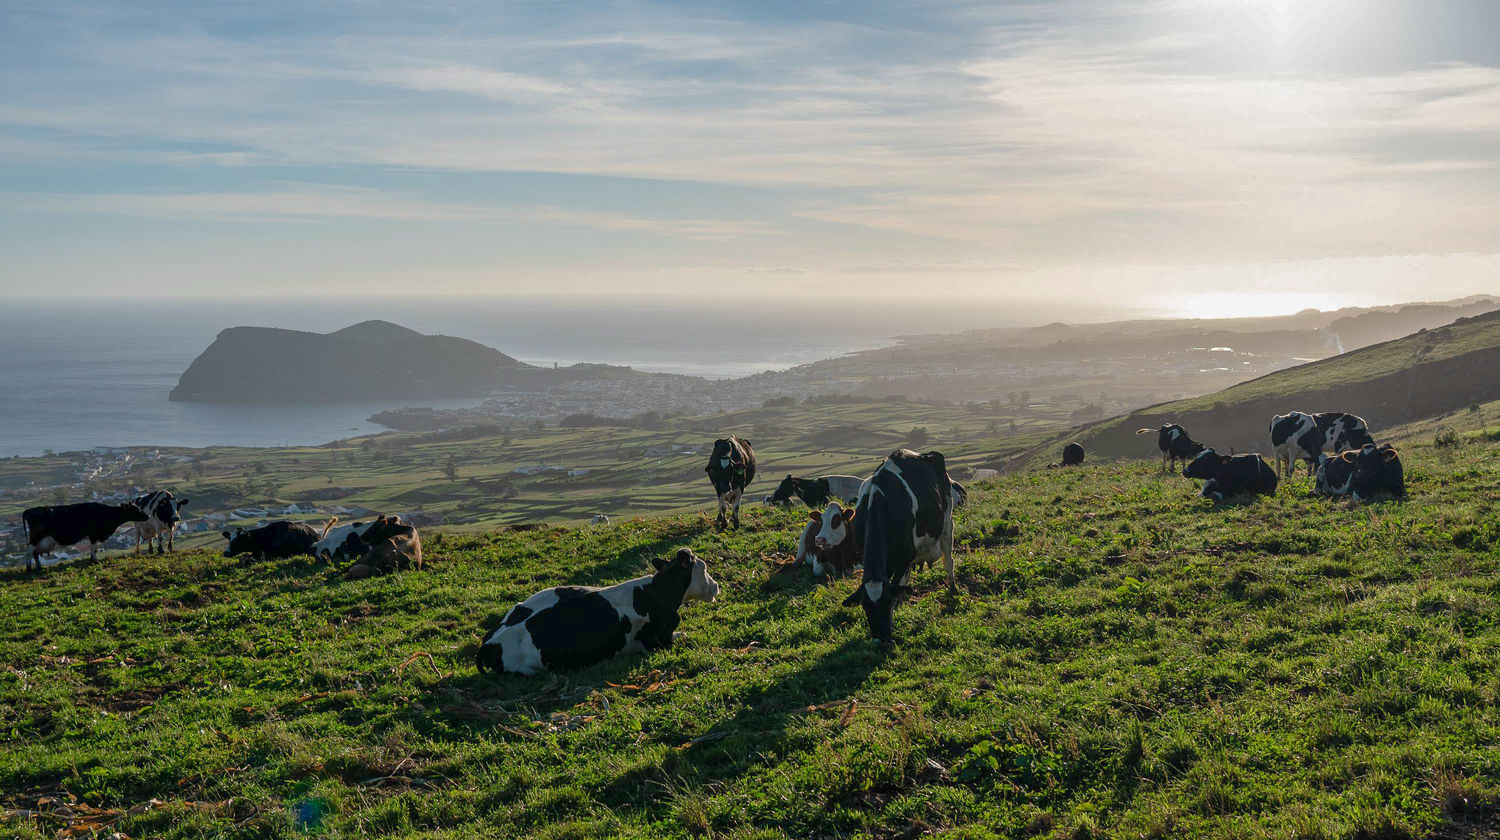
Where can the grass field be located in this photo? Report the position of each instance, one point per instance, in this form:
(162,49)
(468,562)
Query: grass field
(1125,660)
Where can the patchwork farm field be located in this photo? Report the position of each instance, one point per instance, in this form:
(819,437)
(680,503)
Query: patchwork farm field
(1125,660)
(472,479)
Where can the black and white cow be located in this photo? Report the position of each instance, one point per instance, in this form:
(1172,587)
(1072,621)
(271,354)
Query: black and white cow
(1174,443)
(1377,470)
(1342,431)
(577,626)
(280,539)
(1231,475)
(164,511)
(831,550)
(1335,474)
(904,518)
(1298,435)
(816,493)
(1295,437)
(731,468)
(59,526)
(343,542)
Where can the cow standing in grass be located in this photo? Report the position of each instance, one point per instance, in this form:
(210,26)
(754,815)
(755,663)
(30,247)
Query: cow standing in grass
(59,526)
(903,519)
(164,512)
(1174,443)
(816,493)
(731,468)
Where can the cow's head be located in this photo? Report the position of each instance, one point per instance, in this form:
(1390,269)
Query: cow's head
(240,542)
(784,492)
(700,585)
(169,511)
(1378,468)
(1205,465)
(834,520)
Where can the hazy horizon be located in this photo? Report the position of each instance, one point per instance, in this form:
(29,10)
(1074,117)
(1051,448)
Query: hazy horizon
(1131,153)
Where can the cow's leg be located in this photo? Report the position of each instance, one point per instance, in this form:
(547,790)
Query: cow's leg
(739,496)
(721,521)
(947,545)
(1164,462)
(93,550)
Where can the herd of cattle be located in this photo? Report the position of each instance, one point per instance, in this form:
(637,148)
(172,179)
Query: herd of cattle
(890,524)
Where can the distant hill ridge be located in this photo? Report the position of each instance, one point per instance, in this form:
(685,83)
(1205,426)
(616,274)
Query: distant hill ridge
(1426,373)
(371,360)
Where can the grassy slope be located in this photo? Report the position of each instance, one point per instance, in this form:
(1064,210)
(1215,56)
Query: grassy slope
(1132,662)
(1388,384)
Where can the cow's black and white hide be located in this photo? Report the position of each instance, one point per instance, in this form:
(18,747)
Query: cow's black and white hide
(577,626)
(280,539)
(599,519)
(825,542)
(1378,470)
(58,526)
(1335,474)
(1295,437)
(1343,431)
(904,518)
(392,545)
(816,493)
(1174,443)
(342,542)
(164,512)
(1072,455)
(1231,475)
(731,468)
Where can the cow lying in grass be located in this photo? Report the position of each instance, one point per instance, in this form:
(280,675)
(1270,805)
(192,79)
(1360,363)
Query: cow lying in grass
(1369,471)
(392,545)
(829,551)
(1231,475)
(280,539)
(577,626)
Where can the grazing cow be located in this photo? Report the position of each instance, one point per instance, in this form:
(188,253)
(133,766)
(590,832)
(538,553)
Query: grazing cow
(904,518)
(1378,470)
(599,519)
(59,526)
(984,475)
(1174,443)
(1231,475)
(833,551)
(282,538)
(816,493)
(731,468)
(1335,474)
(163,509)
(1072,455)
(577,626)
(1295,437)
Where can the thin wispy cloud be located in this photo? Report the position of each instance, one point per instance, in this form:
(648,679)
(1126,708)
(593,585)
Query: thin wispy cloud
(1072,133)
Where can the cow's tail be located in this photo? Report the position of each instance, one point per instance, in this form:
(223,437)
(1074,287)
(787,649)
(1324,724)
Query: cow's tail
(1144,431)
(328,526)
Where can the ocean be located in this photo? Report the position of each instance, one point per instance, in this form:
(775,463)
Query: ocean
(79,374)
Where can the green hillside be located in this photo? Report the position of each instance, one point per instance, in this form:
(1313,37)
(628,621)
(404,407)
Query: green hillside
(1427,373)
(1125,661)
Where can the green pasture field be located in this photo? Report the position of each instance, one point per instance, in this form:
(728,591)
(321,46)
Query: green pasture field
(1123,660)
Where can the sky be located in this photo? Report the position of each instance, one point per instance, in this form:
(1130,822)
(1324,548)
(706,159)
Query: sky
(1224,157)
